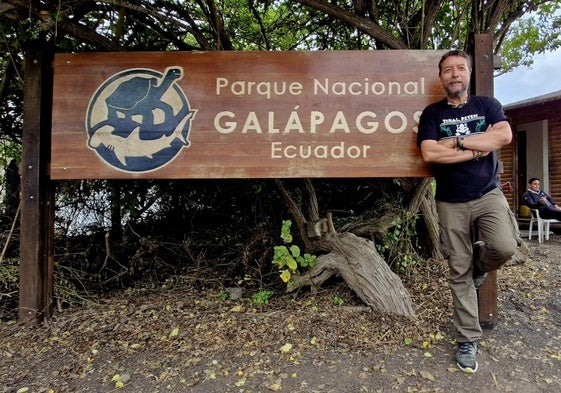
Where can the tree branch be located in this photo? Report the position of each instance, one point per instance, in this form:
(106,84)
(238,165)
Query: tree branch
(296,213)
(363,24)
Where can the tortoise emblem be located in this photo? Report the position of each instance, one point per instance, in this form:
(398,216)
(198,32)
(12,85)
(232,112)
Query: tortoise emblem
(138,120)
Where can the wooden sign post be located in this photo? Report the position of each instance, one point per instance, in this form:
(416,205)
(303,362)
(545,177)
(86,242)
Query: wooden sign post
(482,84)
(37,212)
(187,115)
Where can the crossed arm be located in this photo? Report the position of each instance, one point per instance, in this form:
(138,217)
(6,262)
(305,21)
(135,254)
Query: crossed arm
(445,151)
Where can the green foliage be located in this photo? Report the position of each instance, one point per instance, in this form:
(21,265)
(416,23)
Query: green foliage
(396,245)
(286,236)
(290,259)
(536,33)
(262,297)
(9,277)
(223,295)
(337,300)
(263,25)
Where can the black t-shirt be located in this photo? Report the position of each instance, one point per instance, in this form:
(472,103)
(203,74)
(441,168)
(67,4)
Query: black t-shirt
(464,181)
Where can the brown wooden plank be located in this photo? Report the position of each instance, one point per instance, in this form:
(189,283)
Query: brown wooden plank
(356,82)
(483,64)
(482,78)
(487,296)
(36,247)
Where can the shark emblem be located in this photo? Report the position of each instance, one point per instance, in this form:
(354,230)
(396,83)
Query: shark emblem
(133,145)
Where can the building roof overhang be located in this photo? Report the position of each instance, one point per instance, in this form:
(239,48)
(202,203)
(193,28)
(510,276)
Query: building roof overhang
(547,106)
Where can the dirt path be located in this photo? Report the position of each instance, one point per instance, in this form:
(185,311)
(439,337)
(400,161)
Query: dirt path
(185,340)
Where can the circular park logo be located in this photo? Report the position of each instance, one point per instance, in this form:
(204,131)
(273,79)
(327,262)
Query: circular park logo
(139,119)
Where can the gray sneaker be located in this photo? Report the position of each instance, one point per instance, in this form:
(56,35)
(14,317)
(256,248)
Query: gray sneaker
(466,359)
(479,277)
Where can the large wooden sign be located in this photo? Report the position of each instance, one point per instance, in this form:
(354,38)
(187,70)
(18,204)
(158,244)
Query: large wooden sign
(240,114)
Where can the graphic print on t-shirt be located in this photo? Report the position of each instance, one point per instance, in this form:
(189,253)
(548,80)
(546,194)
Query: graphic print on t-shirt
(465,125)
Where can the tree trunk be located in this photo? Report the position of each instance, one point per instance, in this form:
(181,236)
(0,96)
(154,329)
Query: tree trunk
(353,258)
(357,261)
(424,201)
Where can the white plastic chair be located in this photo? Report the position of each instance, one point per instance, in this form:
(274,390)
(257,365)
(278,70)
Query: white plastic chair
(542,224)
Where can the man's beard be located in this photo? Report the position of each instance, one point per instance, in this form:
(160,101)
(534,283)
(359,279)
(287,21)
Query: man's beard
(456,94)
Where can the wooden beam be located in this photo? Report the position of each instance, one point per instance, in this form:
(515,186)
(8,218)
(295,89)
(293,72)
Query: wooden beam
(483,59)
(36,243)
(488,309)
(482,84)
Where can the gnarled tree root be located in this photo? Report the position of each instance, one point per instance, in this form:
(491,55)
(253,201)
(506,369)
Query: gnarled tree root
(358,262)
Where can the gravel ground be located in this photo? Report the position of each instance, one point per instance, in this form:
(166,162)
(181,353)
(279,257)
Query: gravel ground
(178,339)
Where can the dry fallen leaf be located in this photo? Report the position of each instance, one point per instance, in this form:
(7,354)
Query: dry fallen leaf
(427,375)
(275,385)
(174,333)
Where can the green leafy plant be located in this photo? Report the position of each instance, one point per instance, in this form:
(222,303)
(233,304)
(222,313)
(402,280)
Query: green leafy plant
(289,258)
(223,295)
(338,300)
(261,297)
(397,244)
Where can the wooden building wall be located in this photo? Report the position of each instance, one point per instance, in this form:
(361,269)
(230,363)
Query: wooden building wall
(555,157)
(547,107)
(506,156)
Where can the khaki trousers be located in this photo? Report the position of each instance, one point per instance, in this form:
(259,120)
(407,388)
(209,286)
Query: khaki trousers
(490,219)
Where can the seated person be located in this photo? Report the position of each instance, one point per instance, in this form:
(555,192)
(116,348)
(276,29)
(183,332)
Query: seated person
(535,198)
